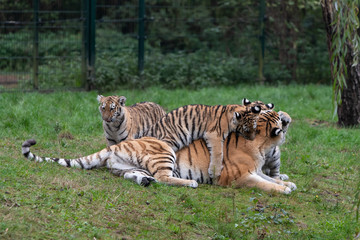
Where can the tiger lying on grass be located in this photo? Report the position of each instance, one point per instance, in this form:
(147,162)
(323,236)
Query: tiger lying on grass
(243,159)
(121,122)
(213,124)
(140,160)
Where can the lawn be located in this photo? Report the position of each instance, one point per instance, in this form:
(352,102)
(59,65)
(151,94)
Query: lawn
(48,201)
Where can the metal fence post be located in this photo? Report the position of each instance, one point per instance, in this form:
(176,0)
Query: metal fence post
(262,41)
(141,37)
(36,46)
(89,13)
(91,61)
(84,48)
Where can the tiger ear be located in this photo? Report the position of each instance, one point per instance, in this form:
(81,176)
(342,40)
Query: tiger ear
(122,100)
(256,109)
(270,106)
(245,101)
(275,132)
(99,97)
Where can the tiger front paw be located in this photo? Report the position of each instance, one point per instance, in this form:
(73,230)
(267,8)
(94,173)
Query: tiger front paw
(283,177)
(287,190)
(290,185)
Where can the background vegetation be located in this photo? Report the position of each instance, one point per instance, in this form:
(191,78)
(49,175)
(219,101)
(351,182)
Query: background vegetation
(189,43)
(47,201)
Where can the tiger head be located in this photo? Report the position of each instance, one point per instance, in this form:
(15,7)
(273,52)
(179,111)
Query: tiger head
(111,107)
(270,128)
(245,121)
(285,120)
(284,117)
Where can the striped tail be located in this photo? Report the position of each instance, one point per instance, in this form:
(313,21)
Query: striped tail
(89,162)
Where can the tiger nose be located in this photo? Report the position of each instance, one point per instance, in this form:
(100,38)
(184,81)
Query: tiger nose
(107,119)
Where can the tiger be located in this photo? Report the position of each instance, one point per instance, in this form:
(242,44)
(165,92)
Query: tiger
(272,162)
(122,122)
(272,158)
(243,159)
(141,160)
(182,126)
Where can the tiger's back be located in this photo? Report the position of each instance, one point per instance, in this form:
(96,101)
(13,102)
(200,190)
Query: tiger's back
(182,126)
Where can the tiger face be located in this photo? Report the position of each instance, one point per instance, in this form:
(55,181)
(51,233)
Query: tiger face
(111,107)
(246,122)
(270,127)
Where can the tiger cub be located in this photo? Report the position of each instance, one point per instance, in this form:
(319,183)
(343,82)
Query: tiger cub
(122,122)
(243,159)
(140,160)
(272,158)
(182,126)
(272,162)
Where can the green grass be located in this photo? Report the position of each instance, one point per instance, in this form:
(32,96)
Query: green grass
(47,201)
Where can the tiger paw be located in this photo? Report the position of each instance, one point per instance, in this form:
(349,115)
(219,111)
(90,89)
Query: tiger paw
(291,185)
(283,177)
(193,184)
(287,190)
(145,181)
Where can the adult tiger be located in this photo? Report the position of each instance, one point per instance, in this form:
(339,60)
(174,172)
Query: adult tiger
(140,160)
(213,124)
(122,122)
(243,159)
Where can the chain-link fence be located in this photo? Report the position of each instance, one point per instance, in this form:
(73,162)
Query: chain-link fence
(50,45)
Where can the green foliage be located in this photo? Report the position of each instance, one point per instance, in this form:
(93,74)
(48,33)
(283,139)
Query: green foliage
(191,44)
(345,43)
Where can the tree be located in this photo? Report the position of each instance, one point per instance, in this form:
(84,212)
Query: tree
(343,34)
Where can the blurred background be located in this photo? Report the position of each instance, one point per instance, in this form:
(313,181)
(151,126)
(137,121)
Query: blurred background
(51,45)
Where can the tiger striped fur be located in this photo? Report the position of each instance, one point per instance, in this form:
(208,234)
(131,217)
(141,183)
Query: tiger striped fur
(182,126)
(140,160)
(243,159)
(121,122)
(272,162)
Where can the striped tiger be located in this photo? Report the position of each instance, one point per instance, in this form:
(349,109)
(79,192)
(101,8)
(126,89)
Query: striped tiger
(243,159)
(140,160)
(122,122)
(272,162)
(182,126)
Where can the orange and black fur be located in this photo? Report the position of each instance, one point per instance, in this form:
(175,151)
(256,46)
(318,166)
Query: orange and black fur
(140,160)
(122,122)
(243,159)
(213,124)
(272,158)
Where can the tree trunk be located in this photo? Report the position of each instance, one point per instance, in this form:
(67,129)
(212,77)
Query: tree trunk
(349,109)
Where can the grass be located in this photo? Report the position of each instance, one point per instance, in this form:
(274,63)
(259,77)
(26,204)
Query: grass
(47,201)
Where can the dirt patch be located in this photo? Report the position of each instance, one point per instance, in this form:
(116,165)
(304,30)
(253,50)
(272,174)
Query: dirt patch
(319,123)
(12,80)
